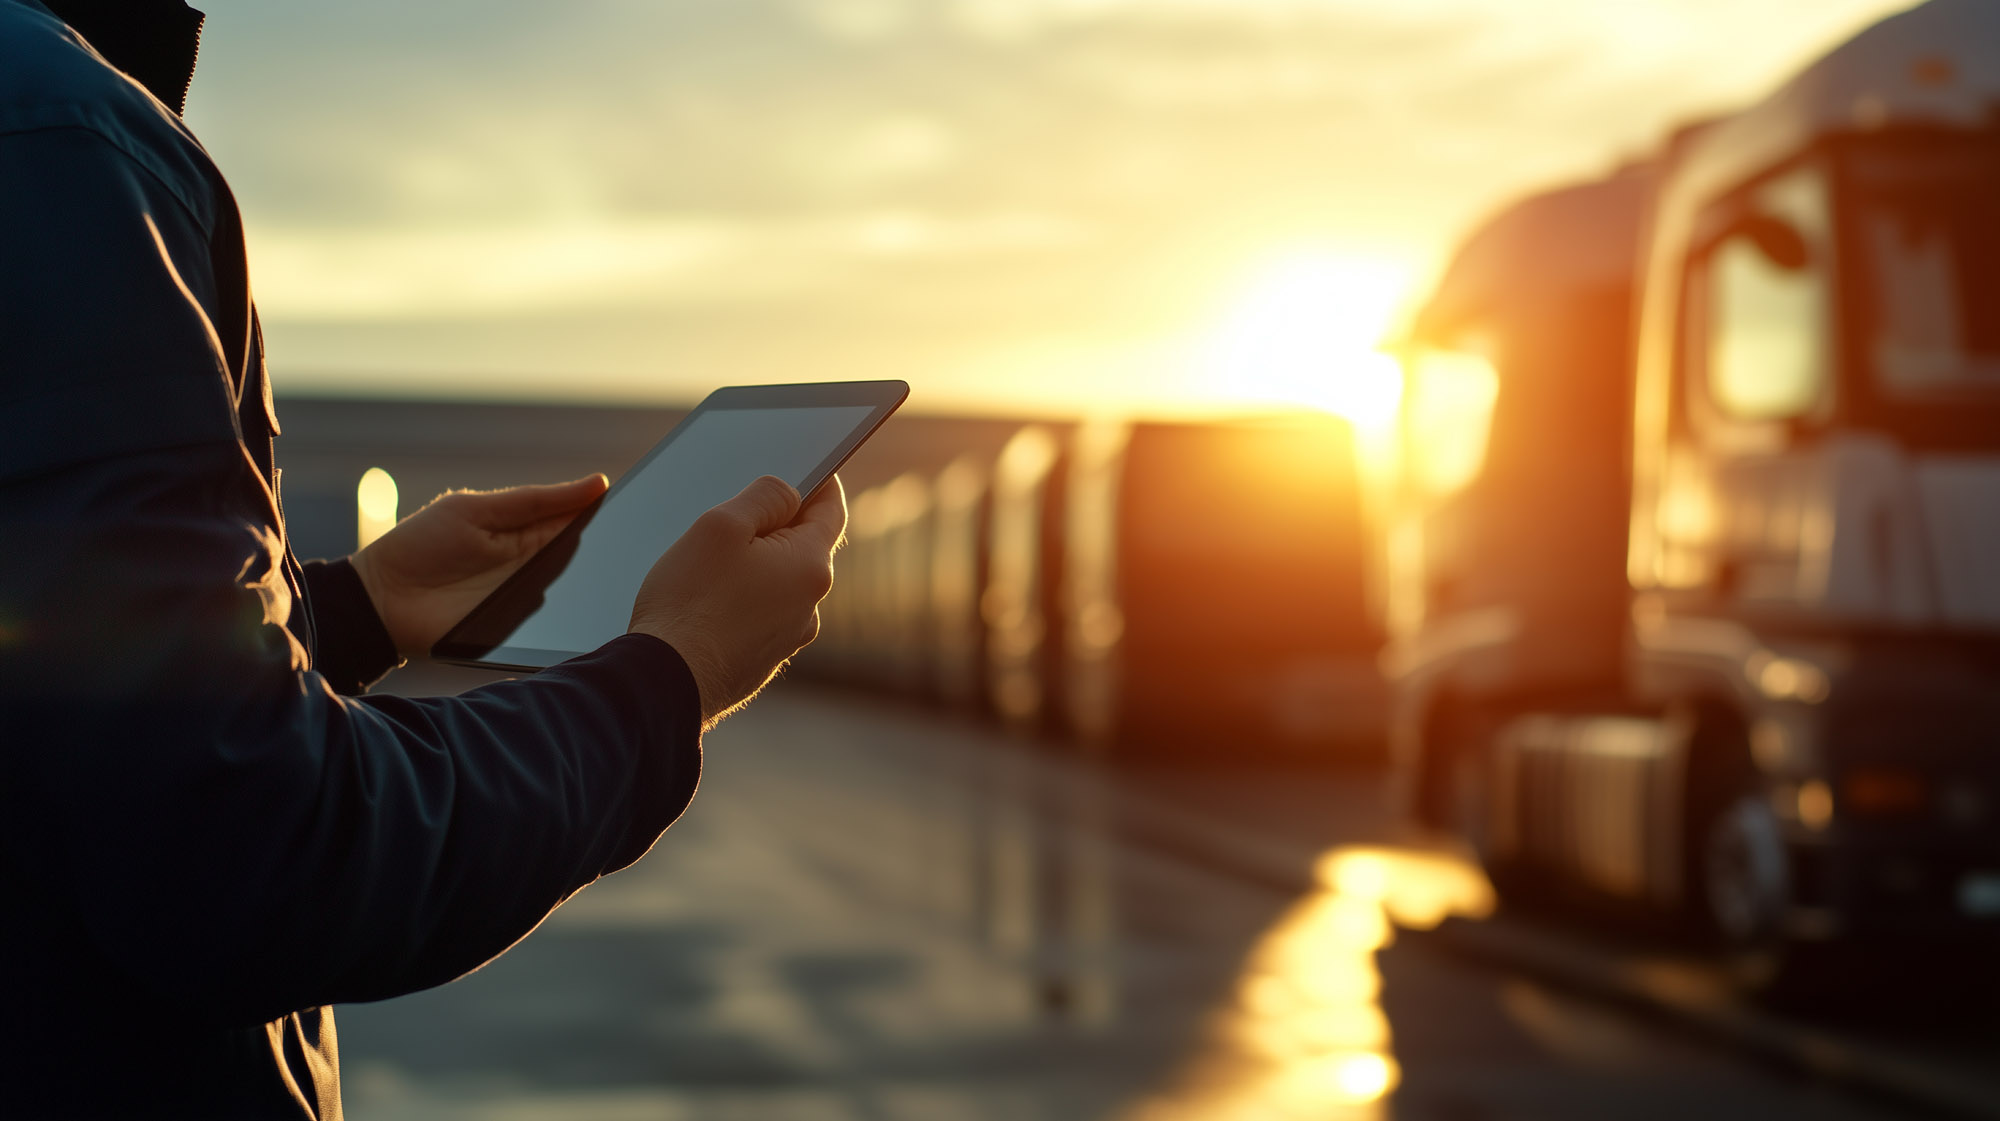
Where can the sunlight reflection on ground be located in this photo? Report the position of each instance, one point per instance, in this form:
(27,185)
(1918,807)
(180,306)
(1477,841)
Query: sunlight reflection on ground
(1306,1035)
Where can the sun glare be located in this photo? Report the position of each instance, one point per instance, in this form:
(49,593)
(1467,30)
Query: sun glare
(1308,331)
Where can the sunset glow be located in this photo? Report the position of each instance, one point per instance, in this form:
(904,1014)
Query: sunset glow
(1296,560)
(1308,331)
(1024,205)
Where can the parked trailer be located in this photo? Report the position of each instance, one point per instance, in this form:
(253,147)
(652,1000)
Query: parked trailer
(903,592)
(959,573)
(1021,602)
(932,451)
(874,622)
(1799,745)
(1214,590)
(838,653)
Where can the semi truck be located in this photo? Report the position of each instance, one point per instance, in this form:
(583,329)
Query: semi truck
(1693,580)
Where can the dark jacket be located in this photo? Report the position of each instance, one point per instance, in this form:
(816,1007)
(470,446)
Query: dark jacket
(203,839)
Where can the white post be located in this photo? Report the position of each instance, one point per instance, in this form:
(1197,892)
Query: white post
(375,506)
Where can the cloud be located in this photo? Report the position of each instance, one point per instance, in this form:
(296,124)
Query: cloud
(888,149)
(423,271)
(862,21)
(998,170)
(1127,107)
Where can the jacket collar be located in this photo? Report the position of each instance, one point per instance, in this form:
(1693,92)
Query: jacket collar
(153,41)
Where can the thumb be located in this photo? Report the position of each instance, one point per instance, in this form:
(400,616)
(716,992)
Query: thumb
(824,519)
(766,506)
(516,507)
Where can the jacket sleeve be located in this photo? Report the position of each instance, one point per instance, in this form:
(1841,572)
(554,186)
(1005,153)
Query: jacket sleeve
(234,835)
(354,649)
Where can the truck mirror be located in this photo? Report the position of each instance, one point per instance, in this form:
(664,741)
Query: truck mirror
(1778,240)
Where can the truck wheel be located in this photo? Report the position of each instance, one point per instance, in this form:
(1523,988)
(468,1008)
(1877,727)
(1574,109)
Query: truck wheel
(1746,873)
(1747,882)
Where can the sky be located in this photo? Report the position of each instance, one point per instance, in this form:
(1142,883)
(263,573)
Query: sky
(1031,205)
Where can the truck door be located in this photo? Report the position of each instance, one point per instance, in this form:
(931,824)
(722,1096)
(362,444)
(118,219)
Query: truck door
(1759,356)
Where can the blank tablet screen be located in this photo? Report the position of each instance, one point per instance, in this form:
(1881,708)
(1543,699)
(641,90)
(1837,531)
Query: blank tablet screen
(577,593)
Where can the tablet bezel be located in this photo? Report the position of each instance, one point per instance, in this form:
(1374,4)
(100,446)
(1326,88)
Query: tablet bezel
(884,397)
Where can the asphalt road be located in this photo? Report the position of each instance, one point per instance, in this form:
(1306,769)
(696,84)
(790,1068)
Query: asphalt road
(875,912)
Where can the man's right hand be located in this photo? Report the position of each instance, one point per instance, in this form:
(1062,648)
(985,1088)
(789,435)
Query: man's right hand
(739,593)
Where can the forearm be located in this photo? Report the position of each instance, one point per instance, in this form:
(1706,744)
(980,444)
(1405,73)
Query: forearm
(236,836)
(176,783)
(437,832)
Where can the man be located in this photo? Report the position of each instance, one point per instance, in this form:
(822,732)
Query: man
(204,837)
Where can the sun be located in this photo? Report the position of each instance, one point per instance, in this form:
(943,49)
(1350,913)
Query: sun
(1307,330)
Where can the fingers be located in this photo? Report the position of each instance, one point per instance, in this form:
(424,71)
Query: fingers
(824,519)
(764,507)
(517,507)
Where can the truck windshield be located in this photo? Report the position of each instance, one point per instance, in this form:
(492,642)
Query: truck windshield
(1927,234)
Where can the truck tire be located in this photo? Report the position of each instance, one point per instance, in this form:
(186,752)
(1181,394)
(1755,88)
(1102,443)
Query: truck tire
(1745,893)
(1746,874)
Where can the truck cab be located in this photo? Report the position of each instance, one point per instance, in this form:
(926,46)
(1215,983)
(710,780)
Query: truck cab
(1797,737)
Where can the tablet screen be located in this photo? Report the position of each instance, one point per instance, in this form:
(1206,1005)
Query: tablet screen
(577,593)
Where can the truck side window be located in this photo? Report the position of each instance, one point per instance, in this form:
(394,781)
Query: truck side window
(1768,304)
(1449,413)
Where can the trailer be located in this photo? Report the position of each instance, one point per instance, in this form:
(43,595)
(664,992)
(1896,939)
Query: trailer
(1214,593)
(1021,604)
(959,573)
(1140,589)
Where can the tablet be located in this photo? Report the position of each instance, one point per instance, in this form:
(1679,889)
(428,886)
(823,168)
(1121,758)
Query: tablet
(576,593)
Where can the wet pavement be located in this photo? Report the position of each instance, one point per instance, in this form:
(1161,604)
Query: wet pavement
(877,912)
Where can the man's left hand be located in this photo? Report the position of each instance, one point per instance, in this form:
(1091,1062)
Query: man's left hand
(436,565)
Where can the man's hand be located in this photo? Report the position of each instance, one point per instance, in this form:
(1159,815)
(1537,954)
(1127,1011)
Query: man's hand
(440,562)
(739,593)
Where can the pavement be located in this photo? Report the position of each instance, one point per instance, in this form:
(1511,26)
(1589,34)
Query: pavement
(877,911)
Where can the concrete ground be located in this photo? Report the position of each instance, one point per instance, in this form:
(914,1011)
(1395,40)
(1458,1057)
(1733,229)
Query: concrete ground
(876,912)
